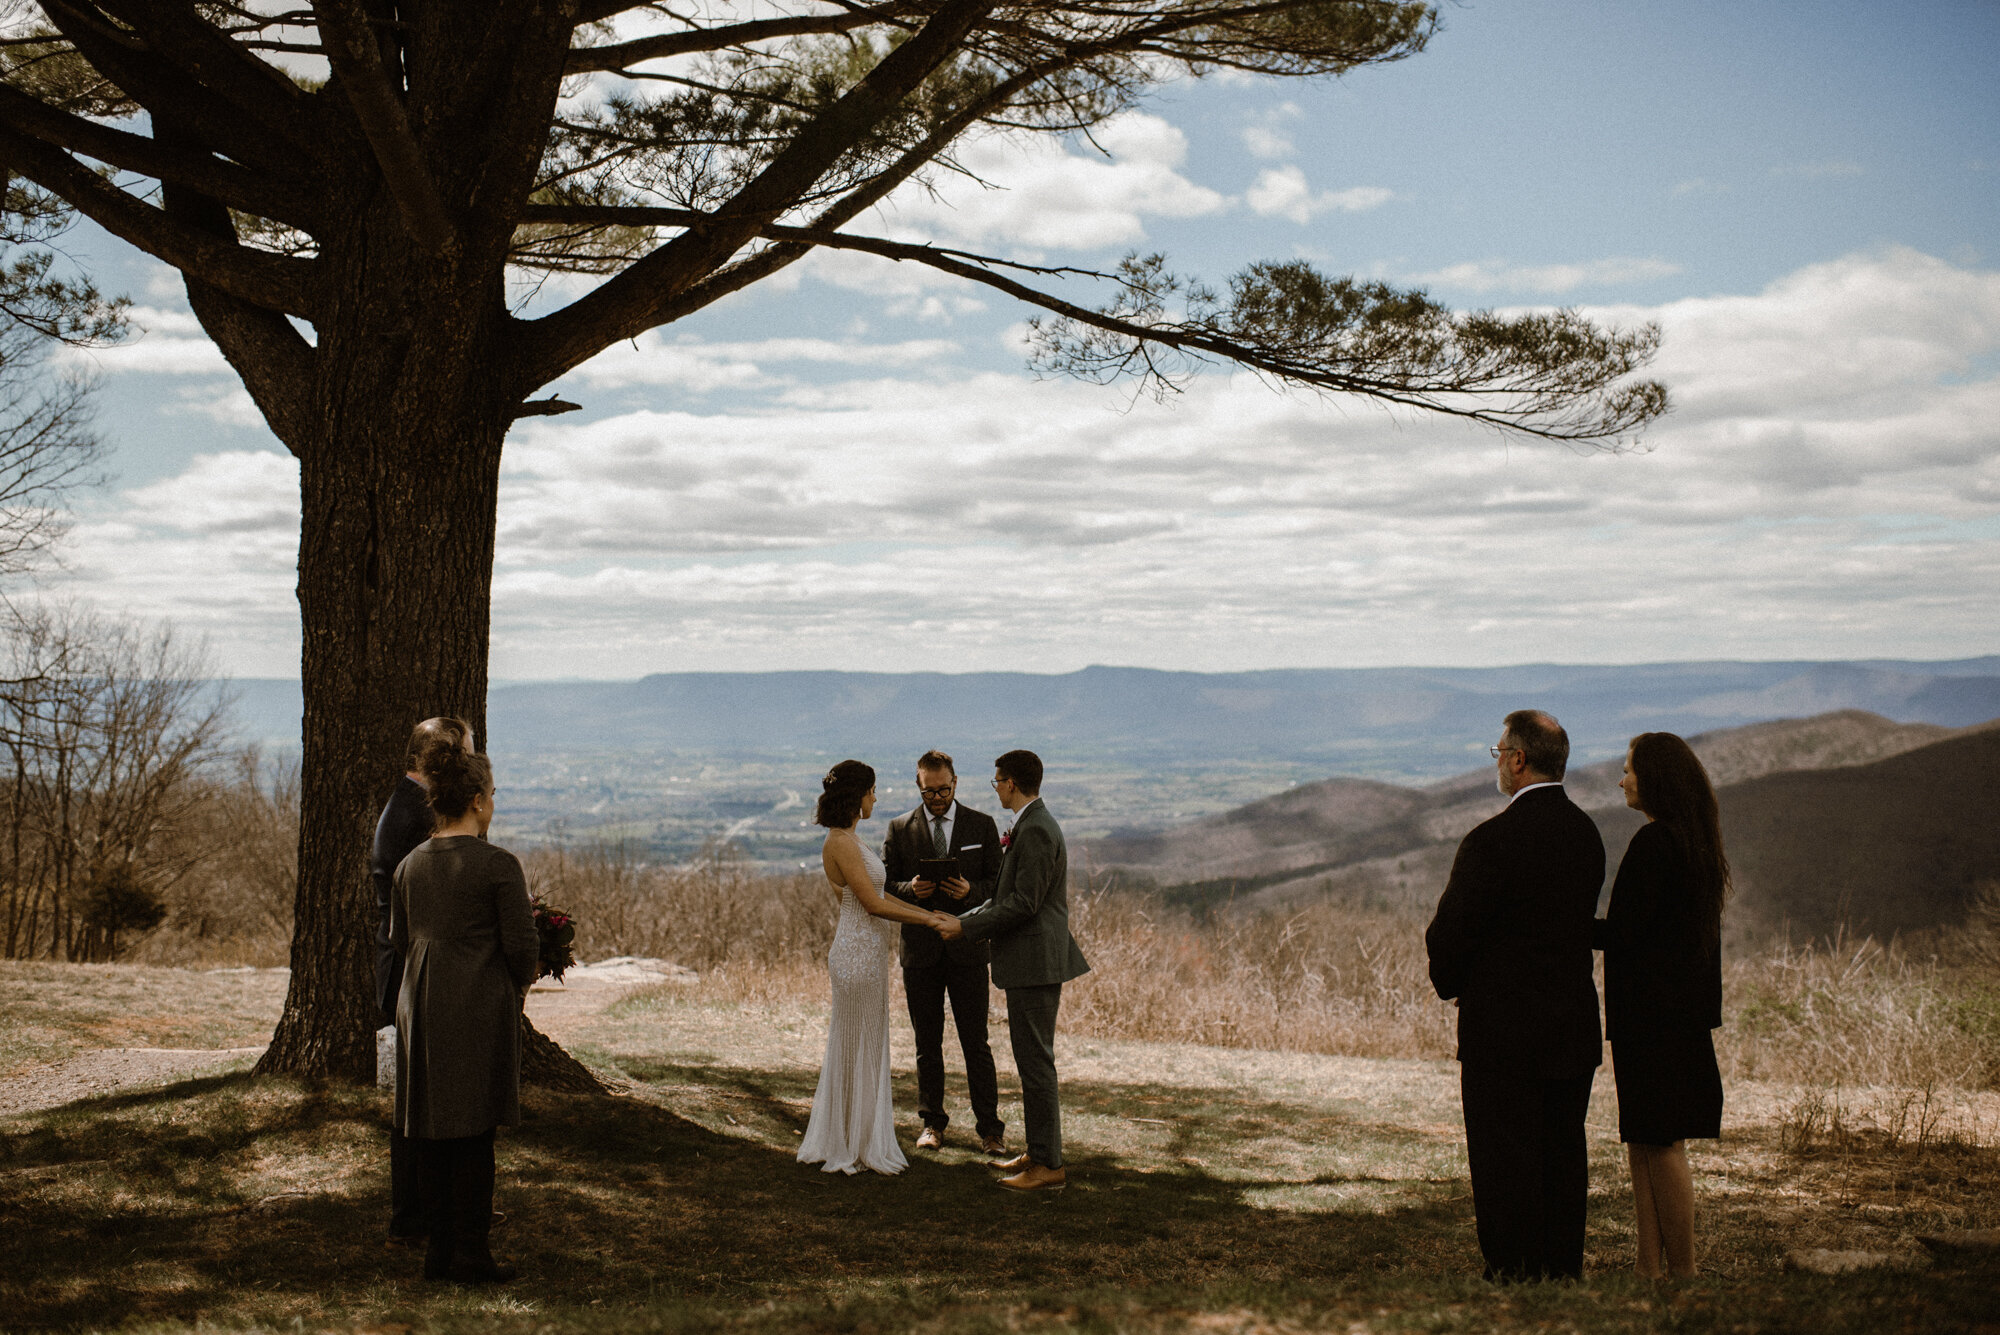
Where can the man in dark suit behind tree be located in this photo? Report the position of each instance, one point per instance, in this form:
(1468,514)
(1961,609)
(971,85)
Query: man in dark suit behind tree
(1511,945)
(933,968)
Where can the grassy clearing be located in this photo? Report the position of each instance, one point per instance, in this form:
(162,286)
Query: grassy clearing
(52,1011)
(1215,1189)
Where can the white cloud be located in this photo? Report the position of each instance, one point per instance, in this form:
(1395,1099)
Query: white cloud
(1283,192)
(162,342)
(230,405)
(1828,486)
(240,491)
(1047,195)
(1483,276)
(653,359)
(1266,142)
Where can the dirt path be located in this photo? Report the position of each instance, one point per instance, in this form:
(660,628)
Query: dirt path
(558,1010)
(90,1075)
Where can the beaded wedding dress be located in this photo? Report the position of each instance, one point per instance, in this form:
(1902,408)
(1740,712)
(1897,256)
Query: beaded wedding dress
(853,1126)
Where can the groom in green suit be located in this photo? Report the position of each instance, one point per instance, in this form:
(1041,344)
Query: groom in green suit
(1027,921)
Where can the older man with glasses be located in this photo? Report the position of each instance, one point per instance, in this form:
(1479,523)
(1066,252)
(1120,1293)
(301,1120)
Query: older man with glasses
(943,827)
(1510,945)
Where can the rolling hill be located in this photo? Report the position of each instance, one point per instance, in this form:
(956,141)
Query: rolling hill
(1846,820)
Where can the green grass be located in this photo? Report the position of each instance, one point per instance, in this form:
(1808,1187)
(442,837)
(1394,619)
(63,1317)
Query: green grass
(1217,1191)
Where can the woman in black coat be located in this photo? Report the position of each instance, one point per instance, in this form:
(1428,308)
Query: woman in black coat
(1661,940)
(460,917)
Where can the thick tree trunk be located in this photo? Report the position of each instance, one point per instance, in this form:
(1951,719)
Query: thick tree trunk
(399,481)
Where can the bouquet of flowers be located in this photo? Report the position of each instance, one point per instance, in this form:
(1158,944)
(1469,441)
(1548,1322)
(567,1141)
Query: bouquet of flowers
(556,930)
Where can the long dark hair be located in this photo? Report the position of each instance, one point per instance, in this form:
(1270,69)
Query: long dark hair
(1674,790)
(840,794)
(453,778)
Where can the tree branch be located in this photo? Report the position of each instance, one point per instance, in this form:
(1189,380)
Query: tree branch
(1442,395)
(626,305)
(619,55)
(546,408)
(155,84)
(235,185)
(271,281)
(172,29)
(356,60)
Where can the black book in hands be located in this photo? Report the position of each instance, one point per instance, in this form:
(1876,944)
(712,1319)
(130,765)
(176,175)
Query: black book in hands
(937,870)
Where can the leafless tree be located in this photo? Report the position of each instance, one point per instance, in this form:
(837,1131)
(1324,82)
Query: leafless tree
(108,730)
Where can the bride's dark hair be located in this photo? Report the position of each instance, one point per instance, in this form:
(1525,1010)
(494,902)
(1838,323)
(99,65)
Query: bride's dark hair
(840,794)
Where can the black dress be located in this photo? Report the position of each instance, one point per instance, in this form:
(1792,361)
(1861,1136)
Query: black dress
(1662,997)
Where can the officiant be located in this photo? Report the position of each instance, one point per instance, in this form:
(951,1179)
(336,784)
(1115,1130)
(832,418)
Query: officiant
(920,841)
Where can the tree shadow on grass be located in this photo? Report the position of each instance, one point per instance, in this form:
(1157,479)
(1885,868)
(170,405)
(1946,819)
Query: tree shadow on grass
(260,1201)
(268,1200)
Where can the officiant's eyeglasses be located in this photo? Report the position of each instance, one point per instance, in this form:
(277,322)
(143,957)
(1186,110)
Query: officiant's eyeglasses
(942,790)
(1497,751)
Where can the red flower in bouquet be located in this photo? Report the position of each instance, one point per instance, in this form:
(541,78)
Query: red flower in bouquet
(555,931)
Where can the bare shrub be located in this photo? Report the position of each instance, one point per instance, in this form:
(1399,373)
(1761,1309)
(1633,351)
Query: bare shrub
(106,730)
(1325,979)
(234,904)
(1854,1014)
(751,936)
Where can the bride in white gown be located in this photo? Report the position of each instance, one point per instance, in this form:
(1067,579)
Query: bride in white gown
(853,1126)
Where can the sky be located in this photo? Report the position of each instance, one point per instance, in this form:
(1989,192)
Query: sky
(852,467)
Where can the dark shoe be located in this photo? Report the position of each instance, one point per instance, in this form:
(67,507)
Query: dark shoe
(1016,1164)
(1037,1178)
(931,1139)
(992,1145)
(499,1218)
(475,1265)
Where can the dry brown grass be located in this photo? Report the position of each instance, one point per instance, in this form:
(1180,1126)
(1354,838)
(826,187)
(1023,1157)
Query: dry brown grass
(1328,978)
(1325,979)
(1856,1026)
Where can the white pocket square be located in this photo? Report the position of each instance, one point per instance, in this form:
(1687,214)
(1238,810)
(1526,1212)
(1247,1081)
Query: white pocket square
(967,848)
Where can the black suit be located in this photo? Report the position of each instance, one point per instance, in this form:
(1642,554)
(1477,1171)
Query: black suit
(1511,944)
(405,823)
(934,968)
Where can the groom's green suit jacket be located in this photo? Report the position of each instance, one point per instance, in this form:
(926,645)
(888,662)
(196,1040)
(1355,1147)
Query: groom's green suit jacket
(1027,920)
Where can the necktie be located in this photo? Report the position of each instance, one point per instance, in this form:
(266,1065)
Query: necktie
(940,846)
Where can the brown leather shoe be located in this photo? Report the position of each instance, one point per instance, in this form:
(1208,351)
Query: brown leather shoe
(1016,1164)
(1037,1178)
(930,1139)
(992,1145)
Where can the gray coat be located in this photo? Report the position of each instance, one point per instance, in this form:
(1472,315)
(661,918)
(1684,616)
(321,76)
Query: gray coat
(460,917)
(1027,920)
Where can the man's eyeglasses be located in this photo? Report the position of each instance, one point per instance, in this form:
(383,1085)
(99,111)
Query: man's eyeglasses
(1497,751)
(942,790)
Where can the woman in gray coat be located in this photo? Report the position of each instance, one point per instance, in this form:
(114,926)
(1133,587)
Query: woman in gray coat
(460,918)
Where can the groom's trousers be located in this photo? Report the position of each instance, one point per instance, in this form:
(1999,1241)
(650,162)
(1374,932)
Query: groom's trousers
(1031,1026)
(926,988)
(1524,1138)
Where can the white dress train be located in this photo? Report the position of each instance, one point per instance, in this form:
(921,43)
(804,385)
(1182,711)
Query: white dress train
(853,1125)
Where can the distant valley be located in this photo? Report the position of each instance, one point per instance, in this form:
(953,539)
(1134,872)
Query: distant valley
(680,760)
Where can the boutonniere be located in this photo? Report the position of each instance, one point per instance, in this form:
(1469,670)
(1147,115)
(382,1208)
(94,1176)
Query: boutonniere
(1006,840)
